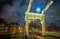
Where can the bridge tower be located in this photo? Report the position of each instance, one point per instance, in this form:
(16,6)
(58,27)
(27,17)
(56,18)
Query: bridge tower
(29,16)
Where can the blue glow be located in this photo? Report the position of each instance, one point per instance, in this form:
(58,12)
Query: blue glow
(38,10)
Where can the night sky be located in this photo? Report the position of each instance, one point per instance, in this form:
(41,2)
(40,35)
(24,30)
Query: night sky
(14,10)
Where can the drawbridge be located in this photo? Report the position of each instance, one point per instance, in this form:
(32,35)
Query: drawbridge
(29,16)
